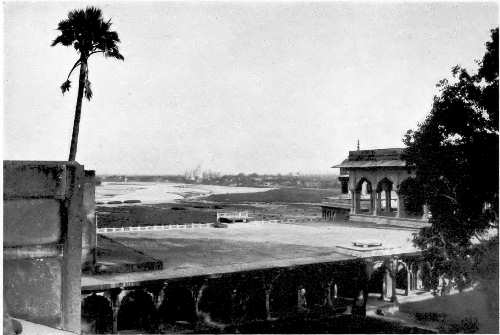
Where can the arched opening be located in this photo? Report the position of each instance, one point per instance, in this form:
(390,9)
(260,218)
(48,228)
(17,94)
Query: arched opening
(216,301)
(385,197)
(249,300)
(315,292)
(402,279)
(376,281)
(363,197)
(97,315)
(283,298)
(178,306)
(137,312)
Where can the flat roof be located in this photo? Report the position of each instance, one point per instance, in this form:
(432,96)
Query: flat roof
(245,247)
(370,164)
(364,159)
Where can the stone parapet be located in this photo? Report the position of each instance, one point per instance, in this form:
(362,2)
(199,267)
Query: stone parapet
(392,221)
(43,218)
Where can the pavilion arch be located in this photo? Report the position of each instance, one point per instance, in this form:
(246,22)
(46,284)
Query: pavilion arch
(178,305)
(249,299)
(214,302)
(361,204)
(385,185)
(402,277)
(283,297)
(359,185)
(97,315)
(137,312)
(384,195)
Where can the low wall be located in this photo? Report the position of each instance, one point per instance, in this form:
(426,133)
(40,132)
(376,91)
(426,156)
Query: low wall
(400,222)
(43,218)
(193,225)
(335,213)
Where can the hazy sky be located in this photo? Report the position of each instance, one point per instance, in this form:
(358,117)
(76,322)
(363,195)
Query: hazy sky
(236,87)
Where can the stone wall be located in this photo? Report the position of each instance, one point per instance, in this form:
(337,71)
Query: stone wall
(89,237)
(43,217)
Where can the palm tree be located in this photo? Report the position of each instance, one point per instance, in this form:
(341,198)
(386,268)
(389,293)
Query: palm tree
(88,33)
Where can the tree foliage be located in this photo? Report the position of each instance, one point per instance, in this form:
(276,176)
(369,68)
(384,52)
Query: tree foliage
(88,33)
(455,154)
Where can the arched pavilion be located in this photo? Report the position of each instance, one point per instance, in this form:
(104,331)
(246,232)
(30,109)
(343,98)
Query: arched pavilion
(370,182)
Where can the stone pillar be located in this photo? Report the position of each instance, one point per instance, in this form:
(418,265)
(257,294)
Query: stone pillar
(388,201)
(401,207)
(357,202)
(301,299)
(158,294)
(115,296)
(371,208)
(328,294)
(353,202)
(419,282)
(89,227)
(425,215)
(408,281)
(376,201)
(383,288)
(267,290)
(197,291)
(388,283)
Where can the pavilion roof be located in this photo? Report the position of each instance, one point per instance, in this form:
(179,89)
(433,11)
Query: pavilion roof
(390,157)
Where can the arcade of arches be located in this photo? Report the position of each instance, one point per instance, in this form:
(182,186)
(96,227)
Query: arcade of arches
(379,195)
(235,299)
(372,179)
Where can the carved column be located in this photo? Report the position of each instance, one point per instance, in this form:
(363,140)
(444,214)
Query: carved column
(408,281)
(376,198)
(388,285)
(115,296)
(353,202)
(197,292)
(327,301)
(357,202)
(419,282)
(401,207)
(268,287)
(158,294)
(371,210)
(301,299)
(425,215)
(388,201)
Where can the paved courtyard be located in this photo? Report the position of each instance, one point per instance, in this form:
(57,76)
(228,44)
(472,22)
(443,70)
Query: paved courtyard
(247,246)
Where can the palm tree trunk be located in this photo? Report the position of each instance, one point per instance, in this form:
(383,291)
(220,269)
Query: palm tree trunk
(78,111)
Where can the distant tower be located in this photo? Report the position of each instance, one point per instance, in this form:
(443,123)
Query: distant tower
(358,144)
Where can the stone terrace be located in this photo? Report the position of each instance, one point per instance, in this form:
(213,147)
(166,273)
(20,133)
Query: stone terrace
(248,246)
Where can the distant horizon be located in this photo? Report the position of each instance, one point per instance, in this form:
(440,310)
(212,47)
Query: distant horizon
(222,174)
(234,87)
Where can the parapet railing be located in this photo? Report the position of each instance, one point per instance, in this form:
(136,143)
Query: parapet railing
(194,225)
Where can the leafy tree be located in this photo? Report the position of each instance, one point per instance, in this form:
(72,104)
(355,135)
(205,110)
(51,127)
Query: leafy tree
(455,154)
(414,204)
(89,34)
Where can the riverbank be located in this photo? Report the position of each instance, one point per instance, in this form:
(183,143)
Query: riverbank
(162,192)
(202,207)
